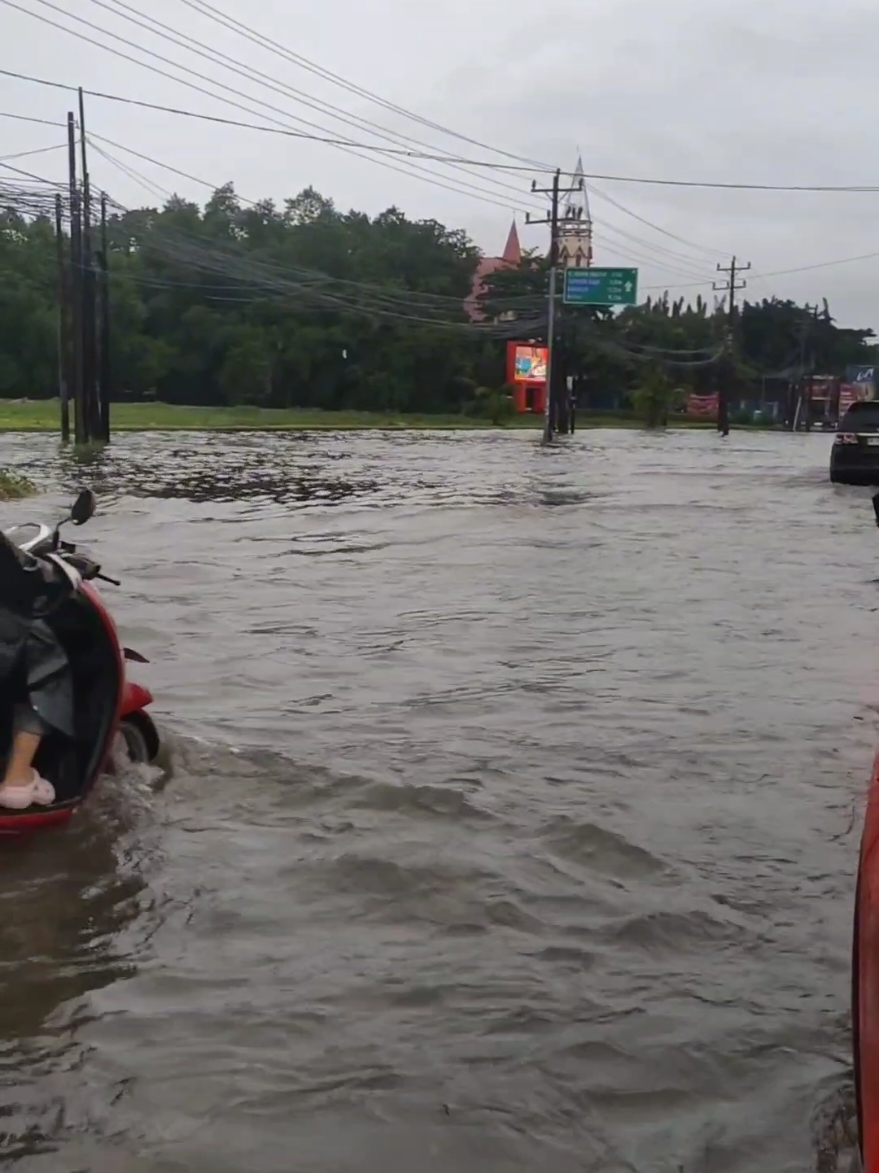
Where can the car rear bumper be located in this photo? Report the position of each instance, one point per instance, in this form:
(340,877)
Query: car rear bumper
(854,465)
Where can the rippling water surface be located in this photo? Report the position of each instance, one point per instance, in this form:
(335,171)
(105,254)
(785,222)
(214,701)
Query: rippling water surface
(514,812)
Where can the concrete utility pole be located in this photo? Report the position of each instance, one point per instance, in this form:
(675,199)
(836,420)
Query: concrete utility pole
(91,405)
(730,286)
(555,193)
(77,382)
(64,364)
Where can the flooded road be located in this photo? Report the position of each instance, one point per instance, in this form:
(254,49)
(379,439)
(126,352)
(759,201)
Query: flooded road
(513,822)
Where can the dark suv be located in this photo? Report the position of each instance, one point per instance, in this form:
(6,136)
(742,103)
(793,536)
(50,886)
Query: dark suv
(854,459)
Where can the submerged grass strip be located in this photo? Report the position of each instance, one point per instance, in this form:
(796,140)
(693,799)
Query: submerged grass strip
(13,487)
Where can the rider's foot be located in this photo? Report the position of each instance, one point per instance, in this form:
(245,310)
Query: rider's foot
(35,791)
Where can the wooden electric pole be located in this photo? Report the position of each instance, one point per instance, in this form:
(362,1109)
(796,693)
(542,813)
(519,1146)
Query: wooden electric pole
(555,193)
(731,286)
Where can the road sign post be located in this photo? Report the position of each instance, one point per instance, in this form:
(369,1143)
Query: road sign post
(607,287)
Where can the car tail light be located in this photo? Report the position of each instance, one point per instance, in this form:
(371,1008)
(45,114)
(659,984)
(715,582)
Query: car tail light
(846,438)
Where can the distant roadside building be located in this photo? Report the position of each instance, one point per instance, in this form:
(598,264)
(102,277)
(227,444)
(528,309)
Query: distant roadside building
(509,259)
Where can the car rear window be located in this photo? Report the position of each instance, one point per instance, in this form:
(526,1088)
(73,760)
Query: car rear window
(860,415)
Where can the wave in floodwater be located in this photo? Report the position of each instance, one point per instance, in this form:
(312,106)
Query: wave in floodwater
(512,815)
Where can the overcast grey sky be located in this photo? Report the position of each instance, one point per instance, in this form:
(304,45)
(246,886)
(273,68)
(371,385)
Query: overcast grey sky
(770,91)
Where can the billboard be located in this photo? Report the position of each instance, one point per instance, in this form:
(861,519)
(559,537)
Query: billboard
(529,364)
(703,406)
(861,375)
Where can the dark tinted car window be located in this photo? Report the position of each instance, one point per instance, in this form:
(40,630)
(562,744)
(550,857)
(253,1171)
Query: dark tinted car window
(860,415)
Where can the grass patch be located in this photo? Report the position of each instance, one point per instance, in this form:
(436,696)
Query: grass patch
(43,415)
(13,487)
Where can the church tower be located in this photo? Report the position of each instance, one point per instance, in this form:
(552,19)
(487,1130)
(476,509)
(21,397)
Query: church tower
(512,254)
(575,226)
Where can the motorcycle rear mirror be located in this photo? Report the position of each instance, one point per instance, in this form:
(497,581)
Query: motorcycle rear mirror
(83,507)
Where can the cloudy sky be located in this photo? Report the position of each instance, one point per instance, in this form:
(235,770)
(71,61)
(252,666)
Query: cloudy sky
(755,91)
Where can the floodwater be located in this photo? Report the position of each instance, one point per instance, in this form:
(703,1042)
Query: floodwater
(514,811)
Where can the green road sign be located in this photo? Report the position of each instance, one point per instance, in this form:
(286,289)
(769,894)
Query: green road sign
(601,287)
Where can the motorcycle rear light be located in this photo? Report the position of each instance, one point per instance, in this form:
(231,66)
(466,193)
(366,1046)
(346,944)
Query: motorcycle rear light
(846,438)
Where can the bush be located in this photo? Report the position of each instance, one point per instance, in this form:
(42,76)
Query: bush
(13,486)
(489,404)
(655,399)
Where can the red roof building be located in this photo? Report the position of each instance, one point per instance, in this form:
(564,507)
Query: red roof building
(510,259)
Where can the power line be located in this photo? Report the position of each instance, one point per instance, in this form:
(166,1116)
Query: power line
(221,121)
(208,10)
(38,151)
(180,247)
(649,223)
(229,22)
(155,162)
(268,43)
(403,153)
(413,170)
(155,188)
(36,178)
(848,188)
(348,143)
(345,144)
(290,133)
(820,265)
(659,262)
(206,183)
(191,44)
(177,110)
(29,118)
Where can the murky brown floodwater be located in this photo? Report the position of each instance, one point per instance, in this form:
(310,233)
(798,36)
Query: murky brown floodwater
(515,812)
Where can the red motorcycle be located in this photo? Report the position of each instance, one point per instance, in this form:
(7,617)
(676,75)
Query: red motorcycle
(110,711)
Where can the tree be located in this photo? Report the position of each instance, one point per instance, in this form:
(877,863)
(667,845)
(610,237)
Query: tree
(302,304)
(655,398)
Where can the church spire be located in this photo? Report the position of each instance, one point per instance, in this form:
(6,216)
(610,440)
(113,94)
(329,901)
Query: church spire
(577,205)
(512,254)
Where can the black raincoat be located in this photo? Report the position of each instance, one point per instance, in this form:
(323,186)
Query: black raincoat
(28,589)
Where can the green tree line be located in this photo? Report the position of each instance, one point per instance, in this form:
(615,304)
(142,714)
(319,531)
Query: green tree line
(306,306)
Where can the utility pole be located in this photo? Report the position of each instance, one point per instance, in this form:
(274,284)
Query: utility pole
(802,413)
(63,323)
(79,415)
(731,286)
(105,357)
(553,221)
(555,193)
(89,331)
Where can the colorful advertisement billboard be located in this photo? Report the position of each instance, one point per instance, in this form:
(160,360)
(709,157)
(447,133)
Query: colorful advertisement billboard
(529,364)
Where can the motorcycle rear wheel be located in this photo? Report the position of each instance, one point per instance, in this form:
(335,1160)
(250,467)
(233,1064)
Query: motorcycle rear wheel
(134,743)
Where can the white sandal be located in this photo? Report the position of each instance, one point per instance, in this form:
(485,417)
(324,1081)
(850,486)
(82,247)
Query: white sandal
(37,792)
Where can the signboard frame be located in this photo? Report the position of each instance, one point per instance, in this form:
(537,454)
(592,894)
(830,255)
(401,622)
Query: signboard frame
(601,287)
